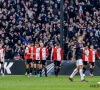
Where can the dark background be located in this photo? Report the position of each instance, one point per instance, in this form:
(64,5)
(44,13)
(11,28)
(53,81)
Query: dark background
(18,68)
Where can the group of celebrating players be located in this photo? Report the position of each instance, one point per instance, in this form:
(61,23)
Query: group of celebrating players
(36,56)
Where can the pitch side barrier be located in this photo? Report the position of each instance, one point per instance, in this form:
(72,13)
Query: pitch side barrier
(17,67)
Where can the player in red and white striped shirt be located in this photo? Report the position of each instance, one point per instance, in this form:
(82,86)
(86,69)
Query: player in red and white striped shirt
(37,61)
(2,54)
(92,54)
(28,59)
(85,58)
(32,57)
(43,56)
(57,55)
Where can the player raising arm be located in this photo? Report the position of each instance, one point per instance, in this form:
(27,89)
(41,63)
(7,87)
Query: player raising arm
(2,54)
(77,54)
(57,55)
(91,58)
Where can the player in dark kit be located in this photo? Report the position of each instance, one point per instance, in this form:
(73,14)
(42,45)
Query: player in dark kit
(77,54)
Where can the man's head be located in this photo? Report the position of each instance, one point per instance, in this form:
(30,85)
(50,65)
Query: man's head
(91,47)
(85,47)
(41,44)
(37,44)
(80,38)
(57,45)
(29,44)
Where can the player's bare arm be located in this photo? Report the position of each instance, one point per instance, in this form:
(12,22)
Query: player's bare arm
(74,51)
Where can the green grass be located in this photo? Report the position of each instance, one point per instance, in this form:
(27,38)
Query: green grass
(47,83)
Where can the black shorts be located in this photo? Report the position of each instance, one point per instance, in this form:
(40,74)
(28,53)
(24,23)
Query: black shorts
(43,62)
(1,62)
(37,61)
(57,63)
(92,63)
(84,62)
(28,61)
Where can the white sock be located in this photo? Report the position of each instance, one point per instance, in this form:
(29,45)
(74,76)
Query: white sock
(81,74)
(73,74)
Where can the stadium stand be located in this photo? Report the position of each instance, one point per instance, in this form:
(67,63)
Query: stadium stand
(23,21)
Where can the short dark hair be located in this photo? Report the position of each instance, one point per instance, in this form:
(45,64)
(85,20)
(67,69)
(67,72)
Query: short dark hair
(36,42)
(32,42)
(57,44)
(84,45)
(79,36)
(29,43)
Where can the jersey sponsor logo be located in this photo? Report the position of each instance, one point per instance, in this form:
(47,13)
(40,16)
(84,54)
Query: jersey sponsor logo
(7,67)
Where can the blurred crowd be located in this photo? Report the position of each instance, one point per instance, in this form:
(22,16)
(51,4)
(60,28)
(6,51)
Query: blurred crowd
(23,21)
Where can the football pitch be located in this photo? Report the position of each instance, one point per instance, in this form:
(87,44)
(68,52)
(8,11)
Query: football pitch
(48,83)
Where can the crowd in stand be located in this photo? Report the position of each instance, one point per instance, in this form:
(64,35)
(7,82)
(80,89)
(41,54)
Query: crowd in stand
(23,21)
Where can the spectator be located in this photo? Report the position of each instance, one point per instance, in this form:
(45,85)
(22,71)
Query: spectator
(18,53)
(8,53)
(70,53)
(23,21)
